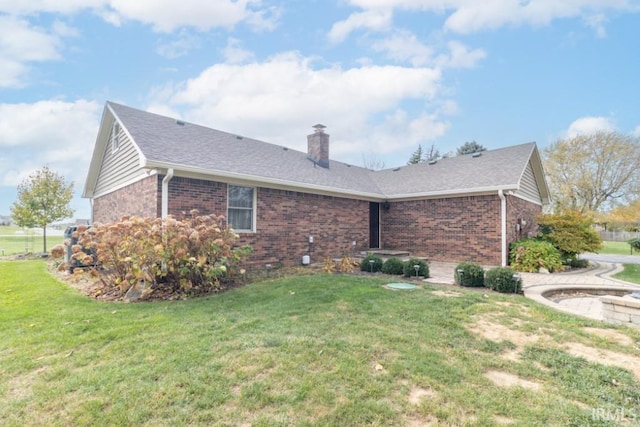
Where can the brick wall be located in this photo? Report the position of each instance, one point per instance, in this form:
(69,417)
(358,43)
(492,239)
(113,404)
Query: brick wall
(519,209)
(139,199)
(186,194)
(449,229)
(286,219)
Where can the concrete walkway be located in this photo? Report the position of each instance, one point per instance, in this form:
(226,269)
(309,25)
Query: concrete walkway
(582,283)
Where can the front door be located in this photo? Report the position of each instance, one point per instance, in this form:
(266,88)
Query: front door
(374,225)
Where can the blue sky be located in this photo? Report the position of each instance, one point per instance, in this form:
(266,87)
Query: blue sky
(382,75)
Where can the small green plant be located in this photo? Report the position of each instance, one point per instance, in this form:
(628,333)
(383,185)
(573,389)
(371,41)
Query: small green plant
(635,244)
(531,254)
(503,279)
(410,269)
(393,266)
(469,274)
(371,263)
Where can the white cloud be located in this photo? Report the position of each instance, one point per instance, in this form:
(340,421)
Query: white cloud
(234,53)
(404,46)
(55,133)
(167,16)
(636,132)
(588,125)
(375,19)
(459,56)
(465,16)
(22,44)
(278,101)
(179,46)
(200,14)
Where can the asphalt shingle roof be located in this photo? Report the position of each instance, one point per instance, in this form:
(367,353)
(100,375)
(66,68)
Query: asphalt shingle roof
(162,140)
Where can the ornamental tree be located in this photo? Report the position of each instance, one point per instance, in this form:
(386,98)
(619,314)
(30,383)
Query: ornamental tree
(43,198)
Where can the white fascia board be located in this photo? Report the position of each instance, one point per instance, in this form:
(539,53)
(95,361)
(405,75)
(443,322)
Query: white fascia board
(451,193)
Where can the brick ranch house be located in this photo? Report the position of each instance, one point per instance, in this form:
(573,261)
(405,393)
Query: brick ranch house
(287,204)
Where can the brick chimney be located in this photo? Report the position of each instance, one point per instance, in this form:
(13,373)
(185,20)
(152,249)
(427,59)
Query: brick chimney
(318,146)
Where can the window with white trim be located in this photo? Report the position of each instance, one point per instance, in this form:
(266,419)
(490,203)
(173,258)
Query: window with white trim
(115,137)
(240,207)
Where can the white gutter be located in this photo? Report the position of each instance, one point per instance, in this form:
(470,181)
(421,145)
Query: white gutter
(503,226)
(165,192)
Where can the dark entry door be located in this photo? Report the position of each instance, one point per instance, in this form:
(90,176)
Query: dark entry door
(374,225)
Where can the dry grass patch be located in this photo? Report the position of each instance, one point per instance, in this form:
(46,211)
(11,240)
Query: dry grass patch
(611,336)
(505,379)
(451,294)
(418,394)
(605,357)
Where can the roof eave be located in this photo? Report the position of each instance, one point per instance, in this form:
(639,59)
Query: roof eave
(261,181)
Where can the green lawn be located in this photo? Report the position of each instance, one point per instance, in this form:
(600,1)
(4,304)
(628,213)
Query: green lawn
(322,350)
(631,273)
(14,240)
(617,248)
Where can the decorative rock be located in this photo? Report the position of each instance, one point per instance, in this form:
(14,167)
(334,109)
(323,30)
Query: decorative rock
(543,270)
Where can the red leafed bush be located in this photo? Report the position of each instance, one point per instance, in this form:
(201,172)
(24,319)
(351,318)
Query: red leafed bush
(191,256)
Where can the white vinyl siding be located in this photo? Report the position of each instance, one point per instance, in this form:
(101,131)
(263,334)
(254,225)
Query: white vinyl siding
(115,137)
(119,167)
(529,187)
(241,208)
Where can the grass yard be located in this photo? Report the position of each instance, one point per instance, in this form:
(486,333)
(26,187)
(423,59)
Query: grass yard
(631,273)
(616,248)
(321,350)
(14,240)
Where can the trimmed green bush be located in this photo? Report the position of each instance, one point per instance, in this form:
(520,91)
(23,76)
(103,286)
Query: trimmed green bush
(472,275)
(503,279)
(635,244)
(365,265)
(531,254)
(393,266)
(579,263)
(410,271)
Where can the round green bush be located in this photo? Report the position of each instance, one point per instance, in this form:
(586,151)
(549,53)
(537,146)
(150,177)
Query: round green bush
(530,255)
(393,266)
(503,279)
(410,270)
(469,274)
(365,265)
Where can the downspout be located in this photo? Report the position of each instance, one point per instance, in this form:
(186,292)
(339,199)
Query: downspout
(165,192)
(503,226)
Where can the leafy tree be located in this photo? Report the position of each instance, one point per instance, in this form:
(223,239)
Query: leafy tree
(570,231)
(44,197)
(588,172)
(417,156)
(470,147)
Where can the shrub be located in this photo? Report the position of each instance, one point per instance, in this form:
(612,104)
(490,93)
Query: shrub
(570,231)
(503,279)
(189,256)
(634,243)
(347,265)
(374,267)
(393,266)
(579,263)
(410,270)
(472,274)
(532,254)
